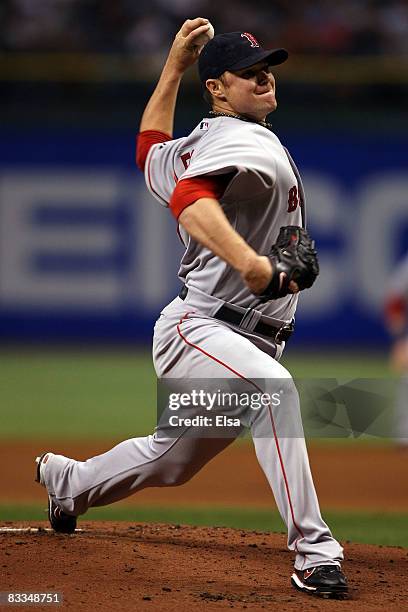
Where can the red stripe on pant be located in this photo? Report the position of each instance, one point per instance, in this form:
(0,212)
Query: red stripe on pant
(198,348)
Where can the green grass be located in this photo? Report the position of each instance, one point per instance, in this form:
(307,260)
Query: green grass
(348,365)
(89,395)
(82,395)
(369,528)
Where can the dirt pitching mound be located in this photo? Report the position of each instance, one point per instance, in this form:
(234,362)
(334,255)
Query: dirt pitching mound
(122,566)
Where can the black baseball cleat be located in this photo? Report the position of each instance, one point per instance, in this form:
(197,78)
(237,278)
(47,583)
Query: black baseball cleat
(327,581)
(59,521)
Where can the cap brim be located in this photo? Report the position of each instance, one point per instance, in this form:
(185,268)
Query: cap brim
(272,56)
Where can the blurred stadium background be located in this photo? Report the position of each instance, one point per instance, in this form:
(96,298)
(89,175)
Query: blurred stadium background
(87,258)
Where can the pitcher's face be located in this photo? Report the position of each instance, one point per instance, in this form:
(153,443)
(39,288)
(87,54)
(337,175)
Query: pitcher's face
(249,92)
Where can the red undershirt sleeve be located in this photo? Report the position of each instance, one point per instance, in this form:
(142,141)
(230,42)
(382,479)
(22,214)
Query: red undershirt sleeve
(188,191)
(145,140)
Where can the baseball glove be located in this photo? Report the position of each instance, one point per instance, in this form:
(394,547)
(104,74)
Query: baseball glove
(293,258)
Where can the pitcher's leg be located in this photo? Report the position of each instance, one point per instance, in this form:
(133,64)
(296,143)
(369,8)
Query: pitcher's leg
(278,438)
(297,501)
(281,451)
(130,466)
(75,486)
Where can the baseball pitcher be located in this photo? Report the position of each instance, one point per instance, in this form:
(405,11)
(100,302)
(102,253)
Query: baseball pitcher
(240,207)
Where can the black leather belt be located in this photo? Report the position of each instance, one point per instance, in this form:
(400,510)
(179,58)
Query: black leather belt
(228,315)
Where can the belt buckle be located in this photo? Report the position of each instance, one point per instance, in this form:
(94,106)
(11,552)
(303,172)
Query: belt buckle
(284,333)
(246,318)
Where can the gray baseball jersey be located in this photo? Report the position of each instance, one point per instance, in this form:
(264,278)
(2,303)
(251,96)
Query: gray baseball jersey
(262,196)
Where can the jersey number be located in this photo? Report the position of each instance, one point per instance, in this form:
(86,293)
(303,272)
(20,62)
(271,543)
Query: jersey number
(293,199)
(185,158)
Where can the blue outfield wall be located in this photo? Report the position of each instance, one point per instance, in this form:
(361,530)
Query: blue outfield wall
(87,255)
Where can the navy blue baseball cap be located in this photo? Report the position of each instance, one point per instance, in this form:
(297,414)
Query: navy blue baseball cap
(234,51)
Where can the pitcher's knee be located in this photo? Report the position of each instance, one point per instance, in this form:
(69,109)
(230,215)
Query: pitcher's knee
(176,474)
(278,405)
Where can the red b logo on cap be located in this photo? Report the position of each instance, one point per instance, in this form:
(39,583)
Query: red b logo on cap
(251,38)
